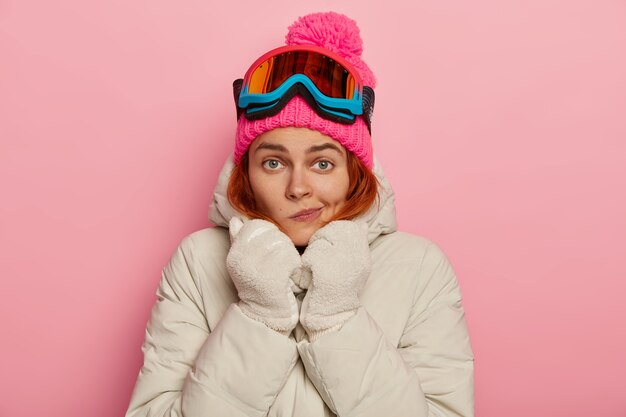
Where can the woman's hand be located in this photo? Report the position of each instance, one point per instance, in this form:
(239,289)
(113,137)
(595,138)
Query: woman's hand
(338,256)
(261,261)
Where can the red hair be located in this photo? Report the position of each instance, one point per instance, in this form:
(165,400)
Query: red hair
(362,191)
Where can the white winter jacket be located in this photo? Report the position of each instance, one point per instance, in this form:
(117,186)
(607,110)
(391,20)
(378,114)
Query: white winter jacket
(405,353)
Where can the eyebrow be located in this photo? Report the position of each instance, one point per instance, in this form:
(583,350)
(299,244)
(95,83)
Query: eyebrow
(324,146)
(271,147)
(312,149)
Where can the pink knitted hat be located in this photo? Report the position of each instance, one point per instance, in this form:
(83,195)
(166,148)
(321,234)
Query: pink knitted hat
(339,34)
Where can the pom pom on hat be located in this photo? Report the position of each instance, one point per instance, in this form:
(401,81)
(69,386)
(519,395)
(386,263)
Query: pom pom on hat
(335,32)
(339,34)
(330,30)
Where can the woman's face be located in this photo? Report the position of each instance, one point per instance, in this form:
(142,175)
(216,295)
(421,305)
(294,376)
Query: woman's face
(299,178)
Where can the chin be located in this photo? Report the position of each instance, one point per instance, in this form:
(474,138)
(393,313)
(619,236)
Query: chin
(301,237)
(300,240)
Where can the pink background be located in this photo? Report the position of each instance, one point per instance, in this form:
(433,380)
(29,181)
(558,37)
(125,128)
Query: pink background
(501,125)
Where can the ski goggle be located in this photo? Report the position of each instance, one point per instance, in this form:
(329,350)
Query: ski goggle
(329,84)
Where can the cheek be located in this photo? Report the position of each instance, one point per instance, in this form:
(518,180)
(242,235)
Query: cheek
(334,191)
(265,195)
(260,196)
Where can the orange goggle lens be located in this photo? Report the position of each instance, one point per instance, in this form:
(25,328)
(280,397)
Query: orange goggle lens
(329,76)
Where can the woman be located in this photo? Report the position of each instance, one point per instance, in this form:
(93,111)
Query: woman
(306,301)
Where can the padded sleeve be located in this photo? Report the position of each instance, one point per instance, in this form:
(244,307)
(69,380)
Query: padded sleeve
(359,372)
(236,369)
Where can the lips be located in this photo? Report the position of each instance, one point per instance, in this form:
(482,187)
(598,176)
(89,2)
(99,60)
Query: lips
(307,215)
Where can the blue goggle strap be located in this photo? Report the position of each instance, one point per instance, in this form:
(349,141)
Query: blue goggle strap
(353,105)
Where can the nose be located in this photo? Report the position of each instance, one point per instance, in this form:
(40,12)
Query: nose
(298,186)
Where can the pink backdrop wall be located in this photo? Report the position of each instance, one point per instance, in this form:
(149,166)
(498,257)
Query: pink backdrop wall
(501,125)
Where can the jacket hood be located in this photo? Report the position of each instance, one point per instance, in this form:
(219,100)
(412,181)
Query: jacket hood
(380,218)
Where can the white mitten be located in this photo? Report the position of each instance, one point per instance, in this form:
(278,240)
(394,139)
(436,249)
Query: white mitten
(338,256)
(261,262)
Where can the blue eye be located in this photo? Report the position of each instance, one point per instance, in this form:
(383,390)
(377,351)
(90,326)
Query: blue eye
(324,165)
(272,164)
